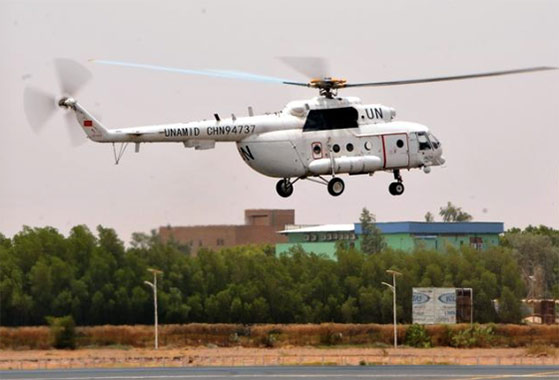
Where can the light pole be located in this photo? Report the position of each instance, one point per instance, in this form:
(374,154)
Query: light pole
(154,287)
(393,288)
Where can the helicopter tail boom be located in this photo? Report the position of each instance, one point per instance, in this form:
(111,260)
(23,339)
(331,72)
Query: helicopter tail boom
(92,127)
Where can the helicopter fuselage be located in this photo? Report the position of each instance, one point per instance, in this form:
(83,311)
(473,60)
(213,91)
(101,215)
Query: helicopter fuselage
(309,138)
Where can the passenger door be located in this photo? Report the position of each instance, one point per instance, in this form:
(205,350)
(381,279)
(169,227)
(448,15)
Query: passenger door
(396,150)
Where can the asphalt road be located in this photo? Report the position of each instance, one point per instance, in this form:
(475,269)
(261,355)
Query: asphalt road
(264,373)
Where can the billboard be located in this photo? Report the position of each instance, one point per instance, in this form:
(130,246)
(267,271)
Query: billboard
(434,305)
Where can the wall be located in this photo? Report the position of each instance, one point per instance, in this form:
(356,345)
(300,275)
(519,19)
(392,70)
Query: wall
(261,228)
(399,241)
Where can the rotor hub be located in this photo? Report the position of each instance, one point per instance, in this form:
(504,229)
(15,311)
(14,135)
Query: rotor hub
(327,86)
(67,102)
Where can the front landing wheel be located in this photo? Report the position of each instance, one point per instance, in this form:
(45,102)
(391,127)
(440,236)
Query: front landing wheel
(336,186)
(396,188)
(284,188)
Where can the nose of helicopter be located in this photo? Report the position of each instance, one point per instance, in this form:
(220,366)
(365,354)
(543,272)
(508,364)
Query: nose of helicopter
(438,158)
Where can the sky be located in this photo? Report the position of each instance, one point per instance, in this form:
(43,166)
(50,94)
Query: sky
(499,134)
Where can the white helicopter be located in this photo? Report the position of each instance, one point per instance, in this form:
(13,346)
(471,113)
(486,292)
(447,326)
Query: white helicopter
(309,139)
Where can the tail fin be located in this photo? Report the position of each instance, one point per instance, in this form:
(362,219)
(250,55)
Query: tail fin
(91,126)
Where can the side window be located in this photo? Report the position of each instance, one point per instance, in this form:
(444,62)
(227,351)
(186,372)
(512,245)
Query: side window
(334,118)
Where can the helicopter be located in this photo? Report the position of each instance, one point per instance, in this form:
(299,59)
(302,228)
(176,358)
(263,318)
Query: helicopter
(313,139)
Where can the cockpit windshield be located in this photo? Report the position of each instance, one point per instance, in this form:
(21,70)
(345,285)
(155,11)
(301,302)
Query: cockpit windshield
(427,141)
(434,141)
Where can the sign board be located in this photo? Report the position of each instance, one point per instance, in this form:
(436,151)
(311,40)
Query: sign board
(434,305)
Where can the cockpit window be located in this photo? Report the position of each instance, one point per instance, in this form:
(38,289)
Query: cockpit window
(423,141)
(434,141)
(335,118)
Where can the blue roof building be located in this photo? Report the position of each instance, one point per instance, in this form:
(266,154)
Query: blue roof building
(405,236)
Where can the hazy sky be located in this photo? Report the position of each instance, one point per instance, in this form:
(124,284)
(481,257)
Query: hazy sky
(499,135)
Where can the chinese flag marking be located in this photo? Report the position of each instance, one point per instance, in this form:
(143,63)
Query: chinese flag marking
(87,123)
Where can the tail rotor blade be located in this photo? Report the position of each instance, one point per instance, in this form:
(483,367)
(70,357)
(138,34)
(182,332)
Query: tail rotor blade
(71,75)
(39,106)
(310,67)
(76,134)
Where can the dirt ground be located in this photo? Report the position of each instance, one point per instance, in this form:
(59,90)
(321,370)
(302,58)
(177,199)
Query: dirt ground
(238,356)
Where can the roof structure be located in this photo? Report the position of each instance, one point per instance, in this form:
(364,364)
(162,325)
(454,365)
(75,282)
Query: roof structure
(437,228)
(416,228)
(321,228)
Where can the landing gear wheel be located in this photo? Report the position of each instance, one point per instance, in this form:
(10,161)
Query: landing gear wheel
(336,186)
(396,188)
(284,188)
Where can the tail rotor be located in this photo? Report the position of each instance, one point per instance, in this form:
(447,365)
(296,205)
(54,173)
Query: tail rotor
(40,106)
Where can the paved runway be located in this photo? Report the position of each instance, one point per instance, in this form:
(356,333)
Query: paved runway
(294,373)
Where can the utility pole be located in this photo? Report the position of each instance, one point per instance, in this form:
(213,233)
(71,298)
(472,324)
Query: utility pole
(393,288)
(154,287)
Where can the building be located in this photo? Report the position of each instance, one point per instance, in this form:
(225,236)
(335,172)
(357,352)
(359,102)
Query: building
(404,236)
(541,311)
(261,227)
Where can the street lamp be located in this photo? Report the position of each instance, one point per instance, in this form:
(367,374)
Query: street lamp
(393,288)
(154,287)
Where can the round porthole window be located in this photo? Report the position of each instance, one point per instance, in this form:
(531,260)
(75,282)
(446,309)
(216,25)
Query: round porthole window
(317,149)
(400,143)
(349,147)
(368,145)
(336,148)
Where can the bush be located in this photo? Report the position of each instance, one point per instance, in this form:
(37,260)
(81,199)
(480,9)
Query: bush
(330,334)
(270,340)
(439,334)
(473,336)
(417,336)
(63,331)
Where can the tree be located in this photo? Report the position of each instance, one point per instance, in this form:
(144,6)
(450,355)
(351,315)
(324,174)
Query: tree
(510,307)
(538,259)
(372,241)
(429,217)
(349,310)
(177,310)
(97,280)
(63,331)
(369,300)
(452,213)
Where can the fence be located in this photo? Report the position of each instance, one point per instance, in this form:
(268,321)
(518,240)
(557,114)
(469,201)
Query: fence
(273,360)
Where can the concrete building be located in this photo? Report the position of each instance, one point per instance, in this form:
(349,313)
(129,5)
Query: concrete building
(261,227)
(404,236)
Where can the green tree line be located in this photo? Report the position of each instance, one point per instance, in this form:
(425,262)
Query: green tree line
(97,280)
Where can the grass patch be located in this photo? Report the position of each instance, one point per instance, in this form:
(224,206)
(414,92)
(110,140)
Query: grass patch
(541,350)
(324,336)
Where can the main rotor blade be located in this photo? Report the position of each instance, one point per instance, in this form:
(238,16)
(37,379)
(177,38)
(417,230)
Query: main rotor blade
(457,77)
(248,76)
(310,67)
(229,74)
(71,75)
(39,106)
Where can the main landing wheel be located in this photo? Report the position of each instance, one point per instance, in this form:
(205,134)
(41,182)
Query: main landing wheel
(284,188)
(396,188)
(336,186)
